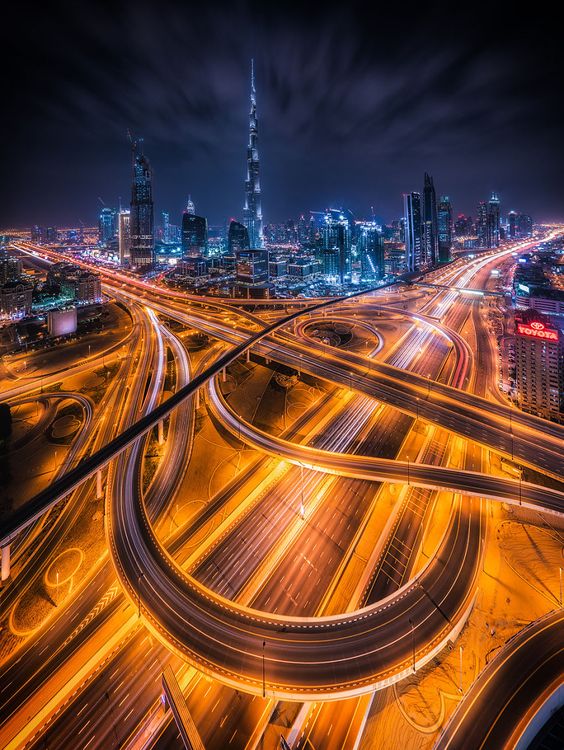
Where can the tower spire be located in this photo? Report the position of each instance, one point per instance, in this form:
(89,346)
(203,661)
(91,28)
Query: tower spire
(252,215)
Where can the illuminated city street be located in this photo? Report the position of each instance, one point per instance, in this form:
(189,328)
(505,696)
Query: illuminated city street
(271,482)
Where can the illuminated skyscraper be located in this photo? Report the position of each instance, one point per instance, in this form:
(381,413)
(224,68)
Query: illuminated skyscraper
(493,230)
(482,224)
(336,233)
(444,220)
(106,225)
(237,237)
(252,214)
(370,247)
(141,219)
(430,230)
(124,237)
(413,230)
(194,232)
(539,365)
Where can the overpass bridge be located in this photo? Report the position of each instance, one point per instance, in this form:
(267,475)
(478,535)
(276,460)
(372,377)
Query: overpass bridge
(461,289)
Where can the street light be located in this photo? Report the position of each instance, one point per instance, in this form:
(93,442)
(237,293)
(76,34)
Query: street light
(263,672)
(412,642)
(408,471)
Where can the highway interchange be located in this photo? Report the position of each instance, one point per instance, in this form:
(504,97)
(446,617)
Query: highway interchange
(227,613)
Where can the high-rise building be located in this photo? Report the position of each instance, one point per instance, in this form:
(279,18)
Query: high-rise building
(370,247)
(336,234)
(237,237)
(430,230)
(124,237)
(524,226)
(463,226)
(493,234)
(444,220)
(303,232)
(539,365)
(194,232)
(106,225)
(252,213)
(482,224)
(413,230)
(512,225)
(142,250)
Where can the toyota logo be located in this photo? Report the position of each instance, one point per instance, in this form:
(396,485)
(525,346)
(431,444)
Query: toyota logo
(537,326)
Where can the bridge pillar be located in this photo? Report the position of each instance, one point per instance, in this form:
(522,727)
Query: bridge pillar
(224,375)
(99,485)
(248,353)
(197,402)
(5,563)
(160,432)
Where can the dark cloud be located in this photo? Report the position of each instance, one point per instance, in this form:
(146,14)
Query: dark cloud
(355,101)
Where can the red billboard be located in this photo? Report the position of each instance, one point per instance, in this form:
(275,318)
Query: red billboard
(538,330)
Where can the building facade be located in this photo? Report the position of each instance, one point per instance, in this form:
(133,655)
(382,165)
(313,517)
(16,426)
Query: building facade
(444,220)
(430,223)
(15,299)
(142,246)
(194,233)
(413,230)
(539,366)
(252,211)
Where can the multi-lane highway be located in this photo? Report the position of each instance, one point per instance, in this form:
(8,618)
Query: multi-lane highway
(283,654)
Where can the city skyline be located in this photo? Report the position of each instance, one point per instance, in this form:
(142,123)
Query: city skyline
(281,377)
(353,128)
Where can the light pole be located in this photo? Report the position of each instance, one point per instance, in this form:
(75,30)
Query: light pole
(560,586)
(263,672)
(460,685)
(428,385)
(408,471)
(412,642)
(302,504)
(139,577)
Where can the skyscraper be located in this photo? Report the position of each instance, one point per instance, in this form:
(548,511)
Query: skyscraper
(482,224)
(124,237)
(252,214)
(512,224)
(444,219)
(336,233)
(106,225)
(413,233)
(430,233)
(141,219)
(237,237)
(370,246)
(493,228)
(194,232)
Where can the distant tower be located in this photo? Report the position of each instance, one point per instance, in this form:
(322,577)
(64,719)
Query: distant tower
(141,216)
(413,230)
(444,214)
(194,232)
(430,233)
(492,224)
(252,214)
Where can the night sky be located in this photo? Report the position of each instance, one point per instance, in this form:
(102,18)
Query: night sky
(355,102)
